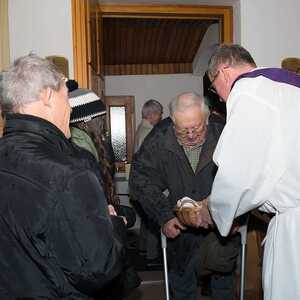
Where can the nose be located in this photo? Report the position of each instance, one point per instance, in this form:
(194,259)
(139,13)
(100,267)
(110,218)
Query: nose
(190,133)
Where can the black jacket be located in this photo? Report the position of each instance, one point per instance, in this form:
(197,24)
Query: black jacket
(160,165)
(57,240)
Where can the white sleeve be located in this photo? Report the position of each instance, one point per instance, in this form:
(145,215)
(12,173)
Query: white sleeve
(248,157)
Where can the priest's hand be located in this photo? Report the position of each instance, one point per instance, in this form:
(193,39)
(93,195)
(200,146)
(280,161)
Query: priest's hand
(203,215)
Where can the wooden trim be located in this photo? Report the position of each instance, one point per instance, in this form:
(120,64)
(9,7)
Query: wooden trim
(107,9)
(80,39)
(88,29)
(99,43)
(227,26)
(100,70)
(139,69)
(163,16)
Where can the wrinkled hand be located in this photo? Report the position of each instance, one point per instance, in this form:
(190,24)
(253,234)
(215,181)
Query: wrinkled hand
(172,228)
(203,216)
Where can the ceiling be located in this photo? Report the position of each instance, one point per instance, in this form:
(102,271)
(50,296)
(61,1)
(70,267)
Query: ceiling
(151,46)
(142,45)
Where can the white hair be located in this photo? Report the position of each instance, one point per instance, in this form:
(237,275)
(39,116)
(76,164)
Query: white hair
(25,79)
(186,100)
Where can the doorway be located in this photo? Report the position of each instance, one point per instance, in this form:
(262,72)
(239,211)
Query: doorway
(88,15)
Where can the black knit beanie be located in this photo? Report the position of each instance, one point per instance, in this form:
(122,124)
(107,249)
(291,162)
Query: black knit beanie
(85,105)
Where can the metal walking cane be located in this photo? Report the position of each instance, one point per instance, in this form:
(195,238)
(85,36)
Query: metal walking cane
(243,233)
(164,249)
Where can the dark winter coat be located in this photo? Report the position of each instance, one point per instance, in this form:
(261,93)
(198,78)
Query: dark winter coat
(160,165)
(57,240)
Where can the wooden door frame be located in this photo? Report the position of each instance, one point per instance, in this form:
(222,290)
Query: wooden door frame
(80,19)
(80,41)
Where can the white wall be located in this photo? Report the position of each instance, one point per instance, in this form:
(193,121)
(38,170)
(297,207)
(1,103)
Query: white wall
(144,87)
(270,29)
(267,28)
(41,26)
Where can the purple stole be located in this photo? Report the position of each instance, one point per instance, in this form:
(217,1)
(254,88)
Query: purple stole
(275,74)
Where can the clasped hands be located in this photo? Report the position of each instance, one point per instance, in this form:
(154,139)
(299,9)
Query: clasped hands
(201,217)
(204,218)
(173,227)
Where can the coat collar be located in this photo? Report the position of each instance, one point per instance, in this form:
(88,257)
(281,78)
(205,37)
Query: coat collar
(208,149)
(28,124)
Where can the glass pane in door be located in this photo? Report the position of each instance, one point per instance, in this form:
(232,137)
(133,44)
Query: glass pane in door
(118,131)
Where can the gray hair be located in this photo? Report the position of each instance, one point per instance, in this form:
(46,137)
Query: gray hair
(231,55)
(187,100)
(25,79)
(151,106)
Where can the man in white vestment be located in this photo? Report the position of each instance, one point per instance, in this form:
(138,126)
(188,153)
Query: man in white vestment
(258,160)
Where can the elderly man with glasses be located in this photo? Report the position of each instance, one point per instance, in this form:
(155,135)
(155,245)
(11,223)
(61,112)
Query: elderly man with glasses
(177,157)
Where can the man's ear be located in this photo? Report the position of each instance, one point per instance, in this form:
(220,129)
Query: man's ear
(46,96)
(226,74)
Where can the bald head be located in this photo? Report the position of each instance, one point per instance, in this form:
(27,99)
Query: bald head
(189,113)
(186,101)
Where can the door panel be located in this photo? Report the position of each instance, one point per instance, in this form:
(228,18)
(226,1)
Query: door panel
(121,124)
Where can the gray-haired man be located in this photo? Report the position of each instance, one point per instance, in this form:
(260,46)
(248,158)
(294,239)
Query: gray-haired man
(151,114)
(57,240)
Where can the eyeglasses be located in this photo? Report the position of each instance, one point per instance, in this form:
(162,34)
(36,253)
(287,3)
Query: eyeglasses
(186,131)
(211,87)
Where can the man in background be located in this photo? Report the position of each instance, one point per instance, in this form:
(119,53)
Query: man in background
(149,240)
(152,112)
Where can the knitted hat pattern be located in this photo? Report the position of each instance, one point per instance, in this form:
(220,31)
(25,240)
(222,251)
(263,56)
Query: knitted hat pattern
(85,105)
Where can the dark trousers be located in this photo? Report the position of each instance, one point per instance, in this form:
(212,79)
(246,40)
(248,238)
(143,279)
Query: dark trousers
(184,285)
(149,236)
